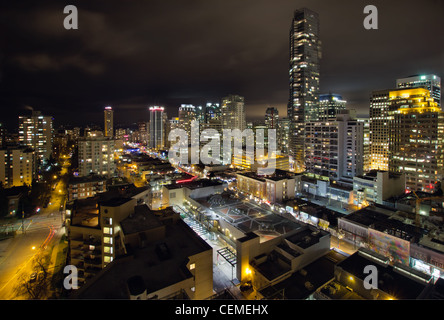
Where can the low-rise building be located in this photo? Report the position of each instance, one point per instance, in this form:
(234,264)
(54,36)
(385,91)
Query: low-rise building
(390,282)
(267,263)
(273,188)
(85,187)
(377,186)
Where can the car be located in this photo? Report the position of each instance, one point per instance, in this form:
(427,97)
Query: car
(33,277)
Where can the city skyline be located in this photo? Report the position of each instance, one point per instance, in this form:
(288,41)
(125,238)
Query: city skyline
(132,64)
(123,174)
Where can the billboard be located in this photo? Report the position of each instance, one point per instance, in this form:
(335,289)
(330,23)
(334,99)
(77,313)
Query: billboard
(397,249)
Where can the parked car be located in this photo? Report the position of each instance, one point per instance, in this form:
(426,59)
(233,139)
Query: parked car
(33,277)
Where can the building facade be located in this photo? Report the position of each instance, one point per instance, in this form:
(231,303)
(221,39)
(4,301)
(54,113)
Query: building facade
(305,54)
(334,149)
(96,155)
(416,138)
(430,82)
(16,166)
(109,121)
(156,128)
(36,132)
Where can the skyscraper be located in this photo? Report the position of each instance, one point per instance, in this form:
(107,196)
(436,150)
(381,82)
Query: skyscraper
(109,121)
(271,118)
(430,82)
(330,105)
(36,132)
(212,111)
(416,138)
(305,54)
(379,129)
(233,112)
(156,128)
(187,113)
(334,149)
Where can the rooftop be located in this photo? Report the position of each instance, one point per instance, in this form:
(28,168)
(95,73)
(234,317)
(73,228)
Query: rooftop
(391,280)
(276,176)
(316,273)
(306,237)
(141,220)
(158,265)
(86,179)
(369,215)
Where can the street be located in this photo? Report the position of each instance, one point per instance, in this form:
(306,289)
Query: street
(36,235)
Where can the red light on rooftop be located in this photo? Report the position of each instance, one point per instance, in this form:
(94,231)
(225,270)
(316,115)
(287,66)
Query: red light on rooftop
(155,108)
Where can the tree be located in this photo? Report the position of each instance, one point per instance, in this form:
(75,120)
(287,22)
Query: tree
(38,288)
(3,201)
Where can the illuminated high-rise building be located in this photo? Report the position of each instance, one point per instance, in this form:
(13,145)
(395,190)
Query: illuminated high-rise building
(96,155)
(330,105)
(334,149)
(233,112)
(430,82)
(109,121)
(212,111)
(283,135)
(305,55)
(416,136)
(16,166)
(187,113)
(156,128)
(36,132)
(379,130)
(271,118)
(366,144)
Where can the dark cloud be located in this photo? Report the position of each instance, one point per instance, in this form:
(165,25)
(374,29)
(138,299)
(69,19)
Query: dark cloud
(132,54)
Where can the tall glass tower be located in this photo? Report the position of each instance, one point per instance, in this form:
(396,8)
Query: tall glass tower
(156,127)
(305,55)
(109,122)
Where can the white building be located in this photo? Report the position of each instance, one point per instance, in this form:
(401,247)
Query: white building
(96,155)
(377,186)
(334,149)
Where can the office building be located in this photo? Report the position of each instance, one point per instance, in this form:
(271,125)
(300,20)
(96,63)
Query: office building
(233,112)
(379,130)
(366,145)
(305,54)
(430,82)
(271,118)
(109,121)
(212,111)
(330,105)
(416,138)
(36,132)
(156,128)
(283,135)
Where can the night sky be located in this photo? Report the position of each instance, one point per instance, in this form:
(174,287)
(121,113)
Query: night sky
(133,54)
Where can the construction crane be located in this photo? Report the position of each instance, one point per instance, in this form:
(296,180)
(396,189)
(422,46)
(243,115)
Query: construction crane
(418,206)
